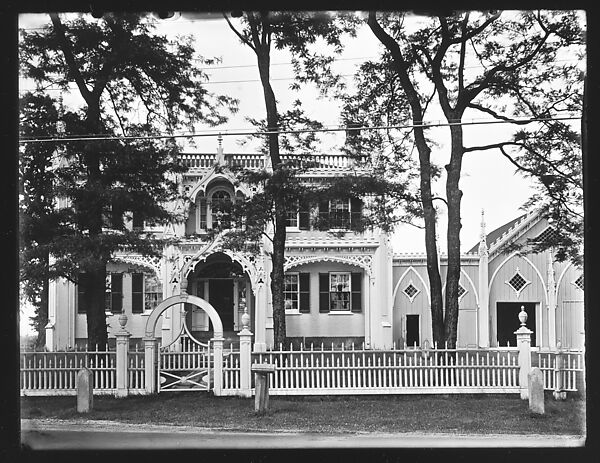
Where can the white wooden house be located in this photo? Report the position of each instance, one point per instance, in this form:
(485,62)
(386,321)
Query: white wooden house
(340,288)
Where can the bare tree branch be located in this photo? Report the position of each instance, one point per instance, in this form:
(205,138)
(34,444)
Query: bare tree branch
(242,38)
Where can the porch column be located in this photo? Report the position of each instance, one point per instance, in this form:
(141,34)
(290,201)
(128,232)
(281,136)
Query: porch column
(483,314)
(260,318)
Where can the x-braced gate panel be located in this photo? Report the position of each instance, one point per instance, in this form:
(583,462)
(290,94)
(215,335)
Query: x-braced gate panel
(185,365)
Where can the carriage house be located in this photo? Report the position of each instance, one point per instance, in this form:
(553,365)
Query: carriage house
(340,288)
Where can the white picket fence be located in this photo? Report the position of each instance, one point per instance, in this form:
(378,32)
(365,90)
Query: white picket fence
(55,373)
(318,370)
(231,371)
(565,365)
(323,371)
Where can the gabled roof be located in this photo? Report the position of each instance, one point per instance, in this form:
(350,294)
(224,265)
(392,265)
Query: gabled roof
(497,233)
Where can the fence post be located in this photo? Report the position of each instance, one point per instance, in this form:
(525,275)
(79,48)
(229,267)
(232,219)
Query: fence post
(245,355)
(122,352)
(524,345)
(150,364)
(558,393)
(217,365)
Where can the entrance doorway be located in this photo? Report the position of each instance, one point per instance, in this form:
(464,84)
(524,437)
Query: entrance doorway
(507,322)
(221,298)
(412,331)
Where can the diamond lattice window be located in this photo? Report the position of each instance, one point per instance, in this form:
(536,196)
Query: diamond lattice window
(461,291)
(517,282)
(579,282)
(548,235)
(411,291)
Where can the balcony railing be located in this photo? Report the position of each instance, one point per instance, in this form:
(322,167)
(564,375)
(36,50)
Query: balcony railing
(256,161)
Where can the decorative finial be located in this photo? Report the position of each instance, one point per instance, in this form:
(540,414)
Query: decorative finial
(482,224)
(122,320)
(523,316)
(60,123)
(245,319)
(483,249)
(220,140)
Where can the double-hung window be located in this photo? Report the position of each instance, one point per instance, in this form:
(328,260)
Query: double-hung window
(291,292)
(341,214)
(152,292)
(296,292)
(340,292)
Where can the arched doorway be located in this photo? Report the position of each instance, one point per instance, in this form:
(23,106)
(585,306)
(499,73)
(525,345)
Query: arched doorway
(225,286)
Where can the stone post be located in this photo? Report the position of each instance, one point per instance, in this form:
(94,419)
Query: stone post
(150,364)
(245,355)
(85,390)
(217,365)
(122,337)
(524,345)
(535,384)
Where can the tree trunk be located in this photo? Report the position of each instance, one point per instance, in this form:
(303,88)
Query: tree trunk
(279,236)
(97,334)
(435,283)
(41,319)
(453,195)
(96,316)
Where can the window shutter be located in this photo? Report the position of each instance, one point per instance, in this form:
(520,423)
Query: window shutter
(116,216)
(356,205)
(137,292)
(304,296)
(356,281)
(116,292)
(82,285)
(324,214)
(323,292)
(304,216)
(137,220)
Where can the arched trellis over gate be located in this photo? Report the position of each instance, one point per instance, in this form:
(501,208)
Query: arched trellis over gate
(215,354)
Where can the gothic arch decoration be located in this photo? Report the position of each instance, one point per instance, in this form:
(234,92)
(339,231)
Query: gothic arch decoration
(409,269)
(184,299)
(516,253)
(214,175)
(363,261)
(248,263)
(462,271)
(152,263)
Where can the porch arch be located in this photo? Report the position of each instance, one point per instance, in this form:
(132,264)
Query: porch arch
(184,299)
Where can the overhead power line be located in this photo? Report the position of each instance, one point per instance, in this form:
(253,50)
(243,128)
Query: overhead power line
(212,133)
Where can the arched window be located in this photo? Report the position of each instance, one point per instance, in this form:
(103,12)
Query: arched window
(220,205)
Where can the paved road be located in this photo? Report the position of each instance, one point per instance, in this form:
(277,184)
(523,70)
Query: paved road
(39,435)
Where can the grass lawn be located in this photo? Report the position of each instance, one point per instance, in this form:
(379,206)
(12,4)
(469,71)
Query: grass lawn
(480,414)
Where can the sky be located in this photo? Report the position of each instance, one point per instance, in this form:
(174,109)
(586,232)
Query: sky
(488,180)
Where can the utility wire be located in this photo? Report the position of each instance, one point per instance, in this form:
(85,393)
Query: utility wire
(281,132)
